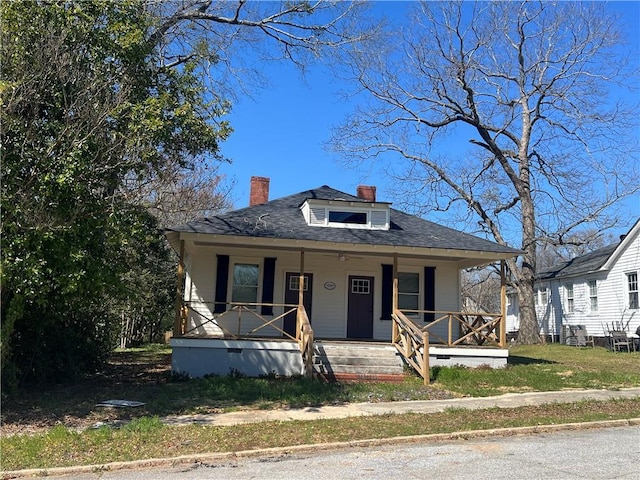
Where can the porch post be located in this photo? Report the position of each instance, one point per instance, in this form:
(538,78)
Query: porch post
(394,301)
(300,293)
(426,376)
(503,304)
(177,322)
(301,286)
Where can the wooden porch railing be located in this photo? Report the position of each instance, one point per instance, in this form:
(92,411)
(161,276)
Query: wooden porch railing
(234,314)
(412,343)
(304,336)
(471,329)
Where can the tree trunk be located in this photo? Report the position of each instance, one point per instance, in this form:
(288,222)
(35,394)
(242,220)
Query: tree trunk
(529,332)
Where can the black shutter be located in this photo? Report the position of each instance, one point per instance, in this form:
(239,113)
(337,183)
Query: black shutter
(429,292)
(222,282)
(387,291)
(268,280)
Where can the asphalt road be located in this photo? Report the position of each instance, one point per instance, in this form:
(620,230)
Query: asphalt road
(593,454)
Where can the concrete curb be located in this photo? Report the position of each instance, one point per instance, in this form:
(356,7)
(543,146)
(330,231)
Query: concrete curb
(283,451)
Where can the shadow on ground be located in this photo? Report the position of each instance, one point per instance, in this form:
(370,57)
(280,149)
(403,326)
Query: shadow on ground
(516,360)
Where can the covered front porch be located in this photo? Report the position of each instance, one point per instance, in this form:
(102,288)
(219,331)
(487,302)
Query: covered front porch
(263,339)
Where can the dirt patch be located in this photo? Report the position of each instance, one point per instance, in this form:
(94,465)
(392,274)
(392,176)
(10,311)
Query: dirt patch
(127,375)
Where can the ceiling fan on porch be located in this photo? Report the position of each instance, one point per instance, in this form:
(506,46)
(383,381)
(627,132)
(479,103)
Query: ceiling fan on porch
(342,257)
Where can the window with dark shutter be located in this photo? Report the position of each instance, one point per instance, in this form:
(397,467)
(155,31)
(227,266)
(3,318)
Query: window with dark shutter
(387,291)
(429,292)
(268,280)
(222,280)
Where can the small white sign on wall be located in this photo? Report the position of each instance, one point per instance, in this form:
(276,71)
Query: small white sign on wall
(330,285)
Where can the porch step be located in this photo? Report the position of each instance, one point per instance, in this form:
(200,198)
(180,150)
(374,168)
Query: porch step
(345,360)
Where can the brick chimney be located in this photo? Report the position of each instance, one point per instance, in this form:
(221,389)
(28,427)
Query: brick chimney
(259,191)
(367,192)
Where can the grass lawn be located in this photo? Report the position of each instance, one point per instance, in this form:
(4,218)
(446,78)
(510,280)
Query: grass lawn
(50,427)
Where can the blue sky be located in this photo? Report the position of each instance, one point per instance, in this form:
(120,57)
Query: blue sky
(280,133)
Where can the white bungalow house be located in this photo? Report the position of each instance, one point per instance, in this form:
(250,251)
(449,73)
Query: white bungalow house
(596,292)
(265,289)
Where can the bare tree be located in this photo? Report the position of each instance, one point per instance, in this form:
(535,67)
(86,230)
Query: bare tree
(532,87)
(223,33)
(480,290)
(580,243)
(182,194)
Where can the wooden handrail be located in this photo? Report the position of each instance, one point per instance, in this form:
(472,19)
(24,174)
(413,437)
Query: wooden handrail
(240,309)
(412,341)
(472,327)
(304,335)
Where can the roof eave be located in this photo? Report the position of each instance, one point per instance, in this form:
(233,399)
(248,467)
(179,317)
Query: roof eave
(571,275)
(465,257)
(173,237)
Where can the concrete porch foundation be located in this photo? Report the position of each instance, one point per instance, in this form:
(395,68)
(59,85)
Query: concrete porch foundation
(198,357)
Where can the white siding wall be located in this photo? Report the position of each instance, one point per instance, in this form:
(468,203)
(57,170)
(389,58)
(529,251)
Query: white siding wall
(199,290)
(613,298)
(613,295)
(447,298)
(329,307)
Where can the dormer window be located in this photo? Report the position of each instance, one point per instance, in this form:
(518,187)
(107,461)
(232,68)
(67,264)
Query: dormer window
(336,216)
(346,214)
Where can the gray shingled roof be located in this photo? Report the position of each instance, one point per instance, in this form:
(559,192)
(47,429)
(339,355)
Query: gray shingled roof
(283,219)
(579,265)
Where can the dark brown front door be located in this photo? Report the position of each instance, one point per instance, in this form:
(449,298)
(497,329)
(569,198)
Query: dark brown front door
(291,297)
(360,309)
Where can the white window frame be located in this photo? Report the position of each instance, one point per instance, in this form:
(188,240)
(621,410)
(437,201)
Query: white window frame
(633,292)
(360,286)
(294,283)
(544,296)
(511,299)
(340,209)
(317,214)
(569,294)
(258,286)
(418,294)
(592,285)
(347,211)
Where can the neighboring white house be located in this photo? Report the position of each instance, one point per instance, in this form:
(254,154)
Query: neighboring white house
(598,290)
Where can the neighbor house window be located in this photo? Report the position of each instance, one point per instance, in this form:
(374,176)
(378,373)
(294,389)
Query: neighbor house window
(512,299)
(632,285)
(569,292)
(543,296)
(593,295)
(245,283)
(409,292)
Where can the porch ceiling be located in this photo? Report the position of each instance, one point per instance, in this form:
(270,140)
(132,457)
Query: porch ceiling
(464,258)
